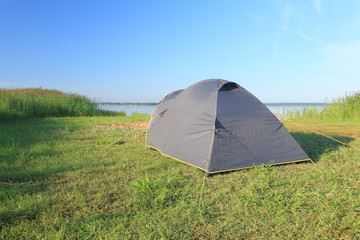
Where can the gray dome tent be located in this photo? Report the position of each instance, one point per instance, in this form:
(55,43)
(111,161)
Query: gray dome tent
(217,126)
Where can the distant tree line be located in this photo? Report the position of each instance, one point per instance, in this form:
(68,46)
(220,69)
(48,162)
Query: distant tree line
(127,103)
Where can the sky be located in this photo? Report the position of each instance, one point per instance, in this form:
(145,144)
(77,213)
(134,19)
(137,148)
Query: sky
(141,50)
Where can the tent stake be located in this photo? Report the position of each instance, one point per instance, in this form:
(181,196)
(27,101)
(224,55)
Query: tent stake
(207,176)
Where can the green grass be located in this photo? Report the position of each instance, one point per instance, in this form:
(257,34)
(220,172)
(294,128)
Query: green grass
(29,103)
(92,178)
(345,108)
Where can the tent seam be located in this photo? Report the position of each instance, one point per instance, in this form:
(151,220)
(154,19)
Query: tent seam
(211,147)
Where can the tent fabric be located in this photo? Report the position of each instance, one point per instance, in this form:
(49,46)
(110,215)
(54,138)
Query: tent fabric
(217,126)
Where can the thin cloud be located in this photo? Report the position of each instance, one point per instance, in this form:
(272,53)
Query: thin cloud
(255,16)
(337,47)
(310,38)
(317,5)
(339,60)
(285,16)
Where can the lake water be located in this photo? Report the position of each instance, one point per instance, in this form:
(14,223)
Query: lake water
(129,109)
(278,108)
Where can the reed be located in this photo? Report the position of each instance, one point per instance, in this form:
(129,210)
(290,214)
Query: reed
(28,103)
(344,108)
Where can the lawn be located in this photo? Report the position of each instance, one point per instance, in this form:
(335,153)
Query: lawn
(92,178)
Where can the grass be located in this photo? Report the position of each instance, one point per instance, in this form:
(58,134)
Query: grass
(341,109)
(17,104)
(91,177)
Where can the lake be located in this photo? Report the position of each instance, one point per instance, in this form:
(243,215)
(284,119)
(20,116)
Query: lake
(278,108)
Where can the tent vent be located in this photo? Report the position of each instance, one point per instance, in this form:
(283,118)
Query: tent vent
(229,86)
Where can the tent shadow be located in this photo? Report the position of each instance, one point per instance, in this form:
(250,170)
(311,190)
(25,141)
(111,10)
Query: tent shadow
(315,145)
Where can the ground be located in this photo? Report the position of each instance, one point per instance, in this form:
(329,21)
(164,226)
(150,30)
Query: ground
(92,177)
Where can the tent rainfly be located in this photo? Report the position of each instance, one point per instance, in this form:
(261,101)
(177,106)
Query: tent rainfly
(218,126)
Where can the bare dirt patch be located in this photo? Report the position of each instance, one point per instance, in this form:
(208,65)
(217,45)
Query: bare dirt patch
(135,125)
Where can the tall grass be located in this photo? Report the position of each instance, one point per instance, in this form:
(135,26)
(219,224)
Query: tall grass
(37,102)
(344,108)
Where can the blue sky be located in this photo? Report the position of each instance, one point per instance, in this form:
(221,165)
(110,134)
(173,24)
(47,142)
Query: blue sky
(140,50)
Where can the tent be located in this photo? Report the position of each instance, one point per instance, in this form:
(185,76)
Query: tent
(218,126)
